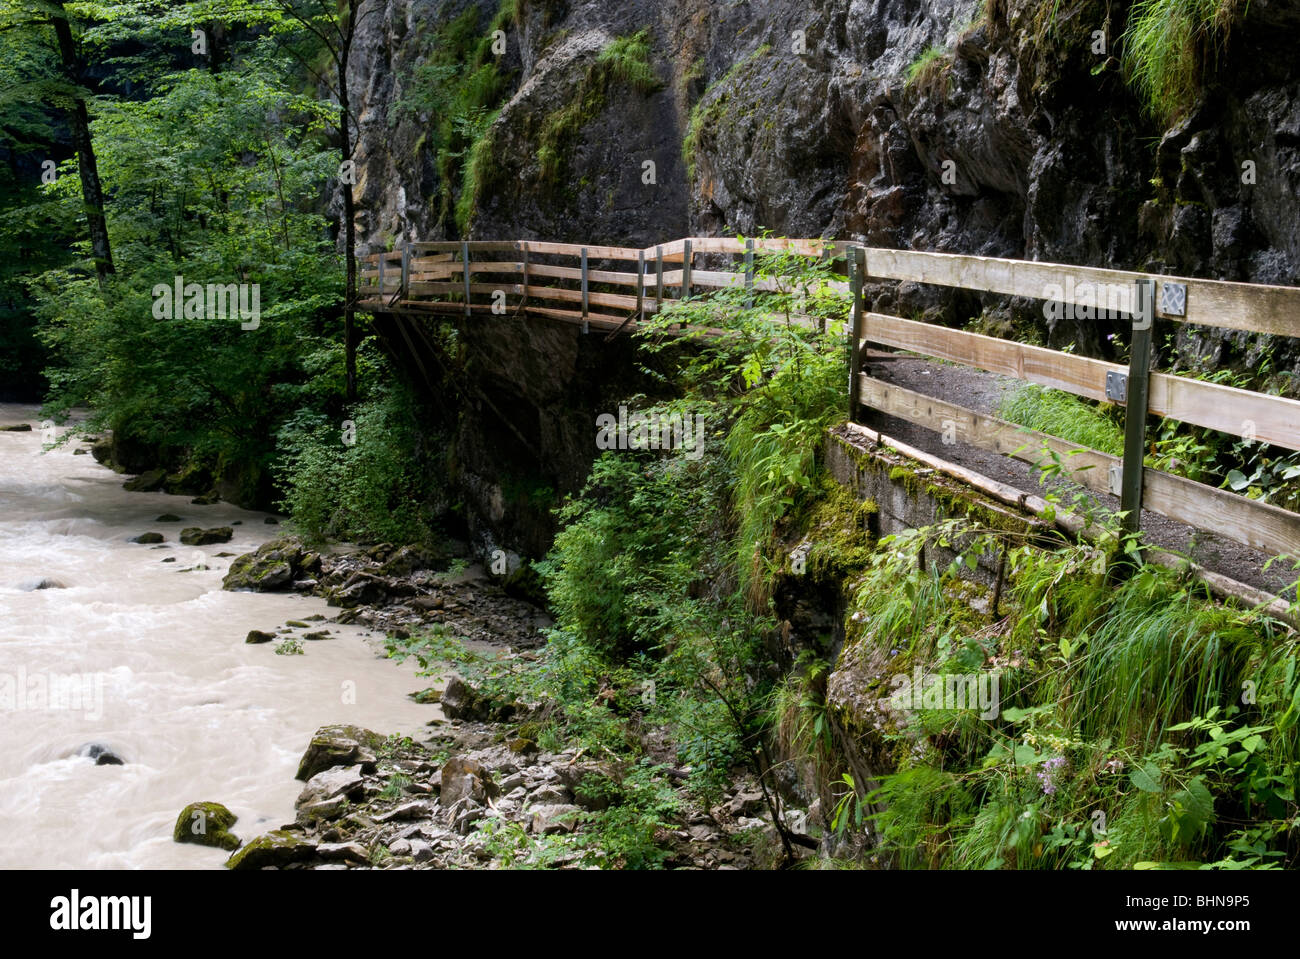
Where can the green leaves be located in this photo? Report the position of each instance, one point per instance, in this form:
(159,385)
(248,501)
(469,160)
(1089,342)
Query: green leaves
(1147,778)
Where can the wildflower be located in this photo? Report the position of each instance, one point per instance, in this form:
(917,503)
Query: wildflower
(1047,775)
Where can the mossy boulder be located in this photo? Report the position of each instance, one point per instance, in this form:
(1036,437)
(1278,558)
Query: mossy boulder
(147,538)
(460,700)
(272,566)
(194,536)
(338,746)
(256,636)
(276,849)
(206,824)
(147,482)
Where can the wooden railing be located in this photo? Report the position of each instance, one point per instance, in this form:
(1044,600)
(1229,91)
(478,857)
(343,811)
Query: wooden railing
(580,284)
(560,280)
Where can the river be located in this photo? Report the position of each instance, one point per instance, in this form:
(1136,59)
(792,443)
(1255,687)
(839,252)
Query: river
(171,686)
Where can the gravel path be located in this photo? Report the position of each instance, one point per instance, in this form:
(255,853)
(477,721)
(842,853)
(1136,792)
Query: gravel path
(982,392)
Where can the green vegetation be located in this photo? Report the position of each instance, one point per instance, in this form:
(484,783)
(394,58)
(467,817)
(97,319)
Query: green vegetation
(1168,46)
(459,87)
(373,480)
(716,103)
(1063,415)
(928,73)
(624,61)
(1140,725)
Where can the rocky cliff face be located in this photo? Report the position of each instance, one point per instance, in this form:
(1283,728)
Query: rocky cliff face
(1000,127)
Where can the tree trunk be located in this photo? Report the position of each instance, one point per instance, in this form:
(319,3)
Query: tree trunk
(92,193)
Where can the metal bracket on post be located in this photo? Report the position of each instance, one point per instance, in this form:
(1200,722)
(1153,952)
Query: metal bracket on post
(1116,386)
(749,274)
(856,263)
(1135,416)
(585,326)
(464,258)
(686,270)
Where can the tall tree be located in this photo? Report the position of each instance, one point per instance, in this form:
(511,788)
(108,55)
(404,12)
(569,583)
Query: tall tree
(333,27)
(70,92)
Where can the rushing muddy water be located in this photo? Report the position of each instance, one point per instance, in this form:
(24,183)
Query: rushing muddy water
(159,657)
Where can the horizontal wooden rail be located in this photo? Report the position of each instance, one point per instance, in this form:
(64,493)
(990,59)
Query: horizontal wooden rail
(1247,521)
(1258,308)
(1271,419)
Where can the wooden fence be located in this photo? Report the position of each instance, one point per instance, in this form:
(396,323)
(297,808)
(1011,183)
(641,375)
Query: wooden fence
(615,288)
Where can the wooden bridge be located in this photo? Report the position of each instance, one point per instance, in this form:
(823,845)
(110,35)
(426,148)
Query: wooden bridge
(616,288)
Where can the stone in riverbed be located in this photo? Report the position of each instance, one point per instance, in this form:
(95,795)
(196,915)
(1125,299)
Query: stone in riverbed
(466,779)
(194,536)
(102,755)
(146,538)
(210,498)
(207,824)
(272,566)
(278,848)
(336,781)
(147,482)
(338,746)
(43,583)
(168,518)
(17,428)
(258,636)
(342,852)
(462,701)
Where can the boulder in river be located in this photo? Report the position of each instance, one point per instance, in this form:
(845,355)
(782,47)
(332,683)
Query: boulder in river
(207,824)
(194,536)
(278,848)
(210,498)
(258,636)
(168,518)
(146,538)
(101,754)
(43,583)
(338,746)
(272,566)
(147,482)
(17,428)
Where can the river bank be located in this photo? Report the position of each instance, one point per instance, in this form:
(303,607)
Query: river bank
(188,707)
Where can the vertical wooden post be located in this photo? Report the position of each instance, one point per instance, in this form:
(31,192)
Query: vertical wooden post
(523,304)
(585,327)
(1135,413)
(640,286)
(856,263)
(686,270)
(749,274)
(406,270)
(380,261)
(464,258)
(659,282)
